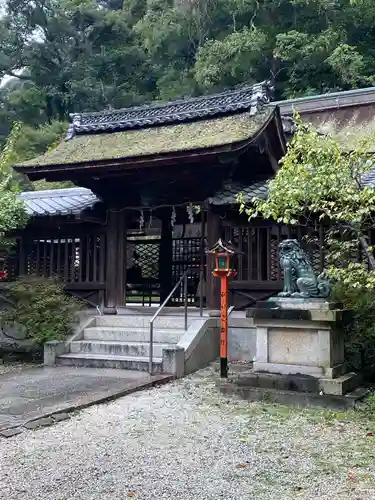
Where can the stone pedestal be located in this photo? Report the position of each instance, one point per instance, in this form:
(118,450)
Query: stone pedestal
(302,338)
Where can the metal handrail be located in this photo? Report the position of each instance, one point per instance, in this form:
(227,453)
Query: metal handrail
(182,279)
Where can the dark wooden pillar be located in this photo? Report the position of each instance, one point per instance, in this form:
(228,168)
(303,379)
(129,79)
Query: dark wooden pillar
(213,283)
(202,273)
(23,254)
(111,290)
(165,257)
(121,256)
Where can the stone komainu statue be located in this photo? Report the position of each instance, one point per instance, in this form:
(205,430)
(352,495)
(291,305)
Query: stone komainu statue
(299,277)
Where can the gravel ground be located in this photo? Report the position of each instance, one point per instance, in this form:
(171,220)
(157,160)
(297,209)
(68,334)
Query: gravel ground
(14,367)
(185,441)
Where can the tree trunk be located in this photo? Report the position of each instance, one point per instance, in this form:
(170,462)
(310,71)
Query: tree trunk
(365,246)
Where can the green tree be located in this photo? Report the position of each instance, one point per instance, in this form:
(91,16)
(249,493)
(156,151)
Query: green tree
(66,56)
(242,55)
(12,211)
(318,181)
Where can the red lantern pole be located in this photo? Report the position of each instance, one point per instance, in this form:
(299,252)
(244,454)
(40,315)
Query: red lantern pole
(224,328)
(223,269)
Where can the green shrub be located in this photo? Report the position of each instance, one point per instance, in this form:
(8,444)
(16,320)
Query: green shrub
(40,308)
(358,327)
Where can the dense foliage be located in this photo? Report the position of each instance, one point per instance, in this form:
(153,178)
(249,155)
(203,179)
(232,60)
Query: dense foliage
(318,181)
(12,210)
(64,56)
(358,328)
(40,308)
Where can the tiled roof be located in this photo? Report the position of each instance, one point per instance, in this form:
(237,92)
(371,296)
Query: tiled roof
(58,201)
(248,97)
(368,179)
(203,134)
(228,195)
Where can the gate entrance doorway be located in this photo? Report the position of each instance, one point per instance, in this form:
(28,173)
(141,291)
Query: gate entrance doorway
(144,272)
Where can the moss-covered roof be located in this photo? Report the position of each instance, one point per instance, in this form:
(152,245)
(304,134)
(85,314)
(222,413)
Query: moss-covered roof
(347,116)
(156,140)
(351,133)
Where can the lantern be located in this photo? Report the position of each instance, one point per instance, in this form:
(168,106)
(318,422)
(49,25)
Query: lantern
(224,258)
(224,269)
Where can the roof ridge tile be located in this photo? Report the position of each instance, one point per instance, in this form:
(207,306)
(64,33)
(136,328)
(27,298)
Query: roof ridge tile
(248,97)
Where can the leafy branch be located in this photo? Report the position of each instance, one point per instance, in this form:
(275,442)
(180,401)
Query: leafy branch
(320,182)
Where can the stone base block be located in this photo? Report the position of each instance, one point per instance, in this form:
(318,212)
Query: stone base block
(174,361)
(300,304)
(341,385)
(312,371)
(294,398)
(52,350)
(109,310)
(299,383)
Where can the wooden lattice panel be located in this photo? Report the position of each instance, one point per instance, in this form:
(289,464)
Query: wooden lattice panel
(146,256)
(69,258)
(186,253)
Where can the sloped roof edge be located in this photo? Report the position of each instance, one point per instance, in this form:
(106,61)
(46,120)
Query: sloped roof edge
(332,100)
(228,194)
(70,201)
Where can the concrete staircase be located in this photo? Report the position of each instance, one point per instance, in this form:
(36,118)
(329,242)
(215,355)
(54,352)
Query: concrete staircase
(122,341)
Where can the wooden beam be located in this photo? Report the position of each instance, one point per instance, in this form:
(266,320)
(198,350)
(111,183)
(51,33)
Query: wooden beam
(256,285)
(85,286)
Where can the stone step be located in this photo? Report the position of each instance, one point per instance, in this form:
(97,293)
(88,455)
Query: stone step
(109,361)
(167,311)
(143,321)
(132,349)
(294,398)
(132,334)
(299,383)
(302,383)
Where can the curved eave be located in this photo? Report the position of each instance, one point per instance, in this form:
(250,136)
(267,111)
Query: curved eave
(38,171)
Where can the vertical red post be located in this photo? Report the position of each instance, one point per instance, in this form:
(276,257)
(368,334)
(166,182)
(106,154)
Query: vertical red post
(224,328)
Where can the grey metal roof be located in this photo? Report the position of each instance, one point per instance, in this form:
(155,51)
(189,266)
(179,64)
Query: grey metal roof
(58,201)
(228,194)
(368,179)
(248,97)
(332,100)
